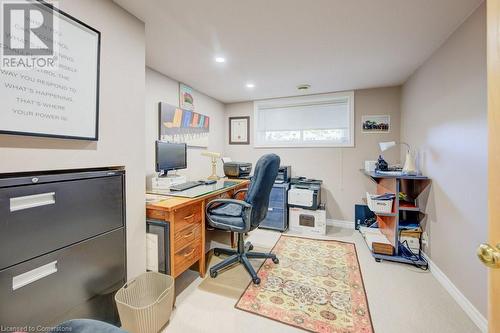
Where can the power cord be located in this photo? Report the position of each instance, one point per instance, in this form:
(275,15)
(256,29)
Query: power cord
(407,253)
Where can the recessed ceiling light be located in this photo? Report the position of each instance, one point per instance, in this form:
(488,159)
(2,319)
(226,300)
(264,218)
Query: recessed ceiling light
(220,59)
(250,85)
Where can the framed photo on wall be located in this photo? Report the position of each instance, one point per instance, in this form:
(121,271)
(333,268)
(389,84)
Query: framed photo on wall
(376,123)
(239,130)
(186,98)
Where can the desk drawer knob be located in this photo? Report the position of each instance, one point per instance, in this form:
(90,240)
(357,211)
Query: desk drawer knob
(189,253)
(189,217)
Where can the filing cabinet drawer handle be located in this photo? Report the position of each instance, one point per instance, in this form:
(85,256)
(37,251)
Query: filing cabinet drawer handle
(32,201)
(190,253)
(36,274)
(189,234)
(189,217)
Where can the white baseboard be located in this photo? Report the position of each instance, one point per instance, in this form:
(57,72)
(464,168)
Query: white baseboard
(340,223)
(473,313)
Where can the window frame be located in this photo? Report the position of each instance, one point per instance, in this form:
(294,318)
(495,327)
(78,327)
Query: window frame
(305,100)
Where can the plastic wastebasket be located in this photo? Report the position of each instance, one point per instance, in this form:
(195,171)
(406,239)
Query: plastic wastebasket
(145,303)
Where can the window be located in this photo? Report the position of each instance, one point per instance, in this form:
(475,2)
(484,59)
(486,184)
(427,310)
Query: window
(325,120)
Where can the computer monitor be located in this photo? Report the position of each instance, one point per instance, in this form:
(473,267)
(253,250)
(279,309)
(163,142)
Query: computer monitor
(170,156)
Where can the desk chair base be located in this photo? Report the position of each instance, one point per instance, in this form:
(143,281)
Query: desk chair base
(241,255)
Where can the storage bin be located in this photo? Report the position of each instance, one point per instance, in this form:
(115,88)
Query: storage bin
(378,206)
(145,303)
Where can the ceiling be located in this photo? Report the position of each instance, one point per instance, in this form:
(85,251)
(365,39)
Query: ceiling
(333,45)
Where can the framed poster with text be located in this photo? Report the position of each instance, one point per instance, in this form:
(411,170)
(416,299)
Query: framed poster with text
(49,82)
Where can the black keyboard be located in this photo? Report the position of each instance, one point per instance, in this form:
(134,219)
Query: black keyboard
(185,186)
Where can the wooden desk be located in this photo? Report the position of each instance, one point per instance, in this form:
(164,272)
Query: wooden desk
(187,226)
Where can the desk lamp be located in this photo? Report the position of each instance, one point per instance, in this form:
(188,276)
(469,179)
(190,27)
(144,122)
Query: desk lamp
(409,166)
(215,156)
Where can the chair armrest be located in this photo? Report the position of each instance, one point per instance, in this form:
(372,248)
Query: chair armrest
(241,190)
(245,204)
(246,213)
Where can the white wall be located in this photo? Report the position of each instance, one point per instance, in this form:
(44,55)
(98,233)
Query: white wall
(343,183)
(121,119)
(160,88)
(444,115)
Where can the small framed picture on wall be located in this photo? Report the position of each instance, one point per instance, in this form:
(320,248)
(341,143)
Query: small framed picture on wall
(186,99)
(239,130)
(376,123)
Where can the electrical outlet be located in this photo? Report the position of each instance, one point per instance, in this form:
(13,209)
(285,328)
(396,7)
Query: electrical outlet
(425,238)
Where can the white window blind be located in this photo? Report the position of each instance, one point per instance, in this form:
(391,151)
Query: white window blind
(308,121)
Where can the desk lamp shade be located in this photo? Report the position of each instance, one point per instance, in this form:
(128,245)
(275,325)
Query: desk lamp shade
(409,166)
(386,145)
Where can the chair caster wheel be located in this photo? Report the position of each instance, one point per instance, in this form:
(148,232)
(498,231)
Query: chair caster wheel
(378,260)
(276,260)
(256,280)
(250,248)
(213,274)
(216,253)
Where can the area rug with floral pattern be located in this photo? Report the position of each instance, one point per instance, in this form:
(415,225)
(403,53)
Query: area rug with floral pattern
(317,286)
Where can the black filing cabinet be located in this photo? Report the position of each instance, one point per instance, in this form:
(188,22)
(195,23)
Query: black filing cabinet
(62,246)
(277,212)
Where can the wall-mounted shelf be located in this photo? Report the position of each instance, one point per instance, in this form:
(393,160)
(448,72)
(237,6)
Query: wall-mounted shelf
(415,188)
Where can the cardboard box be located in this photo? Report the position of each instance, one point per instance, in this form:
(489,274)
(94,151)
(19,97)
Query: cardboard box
(307,222)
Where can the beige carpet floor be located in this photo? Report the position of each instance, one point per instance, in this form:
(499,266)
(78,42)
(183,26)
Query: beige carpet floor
(231,282)
(401,298)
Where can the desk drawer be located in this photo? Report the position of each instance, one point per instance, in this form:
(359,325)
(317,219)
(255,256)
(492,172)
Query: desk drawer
(40,218)
(187,216)
(186,236)
(224,195)
(187,256)
(155,214)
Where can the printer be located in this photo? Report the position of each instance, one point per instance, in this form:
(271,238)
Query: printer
(305,193)
(237,169)
(284,174)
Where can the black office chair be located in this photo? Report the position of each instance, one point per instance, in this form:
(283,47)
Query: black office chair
(241,216)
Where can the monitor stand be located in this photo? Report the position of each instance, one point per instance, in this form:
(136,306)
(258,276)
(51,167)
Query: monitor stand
(167,175)
(164,181)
